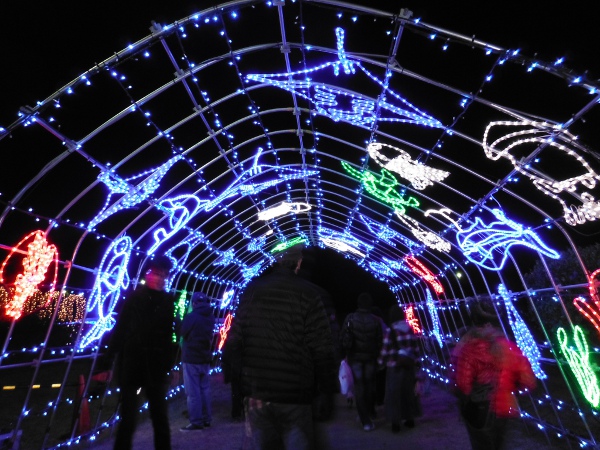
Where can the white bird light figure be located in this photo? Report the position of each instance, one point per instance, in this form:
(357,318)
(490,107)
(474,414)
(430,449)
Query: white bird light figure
(419,175)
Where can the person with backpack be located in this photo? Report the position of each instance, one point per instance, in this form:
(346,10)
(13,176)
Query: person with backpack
(361,338)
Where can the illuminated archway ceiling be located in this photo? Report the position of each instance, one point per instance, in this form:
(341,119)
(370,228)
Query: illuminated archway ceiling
(371,133)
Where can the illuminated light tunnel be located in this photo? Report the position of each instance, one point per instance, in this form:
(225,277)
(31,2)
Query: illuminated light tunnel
(432,180)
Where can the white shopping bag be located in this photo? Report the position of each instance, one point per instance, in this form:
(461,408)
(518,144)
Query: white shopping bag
(346,379)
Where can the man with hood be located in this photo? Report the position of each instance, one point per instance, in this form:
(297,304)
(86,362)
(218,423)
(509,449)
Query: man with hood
(197,330)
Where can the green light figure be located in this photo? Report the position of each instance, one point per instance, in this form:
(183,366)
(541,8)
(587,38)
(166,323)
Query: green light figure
(580,364)
(382,187)
(180,306)
(287,244)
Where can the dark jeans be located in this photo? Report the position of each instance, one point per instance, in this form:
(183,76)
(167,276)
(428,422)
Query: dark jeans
(197,389)
(157,404)
(364,389)
(491,437)
(237,398)
(400,399)
(276,426)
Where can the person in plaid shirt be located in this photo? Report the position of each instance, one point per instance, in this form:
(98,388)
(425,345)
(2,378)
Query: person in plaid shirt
(400,354)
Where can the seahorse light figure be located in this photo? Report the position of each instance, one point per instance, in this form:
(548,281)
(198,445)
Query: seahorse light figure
(112,278)
(591,311)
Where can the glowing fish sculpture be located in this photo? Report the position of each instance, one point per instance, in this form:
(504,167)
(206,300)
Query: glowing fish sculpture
(428,238)
(525,135)
(282,209)
(343,242)
(132,194)
(488,244)
(252,181)
(419,175)
(341,104)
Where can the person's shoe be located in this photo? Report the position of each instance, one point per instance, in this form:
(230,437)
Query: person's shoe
(369,427)
(395,428)
(191,427)
(206,424)
(410,423)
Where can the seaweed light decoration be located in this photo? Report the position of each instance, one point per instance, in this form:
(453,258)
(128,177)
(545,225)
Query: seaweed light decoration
(590,311)
(579,361)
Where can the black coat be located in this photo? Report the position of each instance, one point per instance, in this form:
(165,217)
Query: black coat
(142,338)
(362,336)
(280,337)
(197,331)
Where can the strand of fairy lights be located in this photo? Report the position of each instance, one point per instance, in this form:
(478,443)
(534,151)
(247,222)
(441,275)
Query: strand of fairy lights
(523,336)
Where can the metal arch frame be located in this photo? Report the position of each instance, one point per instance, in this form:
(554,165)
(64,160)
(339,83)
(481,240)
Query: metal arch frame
(412,291)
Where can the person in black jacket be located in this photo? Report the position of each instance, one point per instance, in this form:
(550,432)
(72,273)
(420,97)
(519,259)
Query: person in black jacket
(362,338)
(142,340)
(197,330)
(281,339)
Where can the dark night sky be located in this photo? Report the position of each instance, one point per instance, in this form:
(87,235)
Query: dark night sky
(47,45)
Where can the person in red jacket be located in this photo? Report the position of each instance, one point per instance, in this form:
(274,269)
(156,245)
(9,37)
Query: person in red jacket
(489,370)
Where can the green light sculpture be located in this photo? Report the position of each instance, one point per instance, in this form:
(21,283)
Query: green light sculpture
(382,187)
